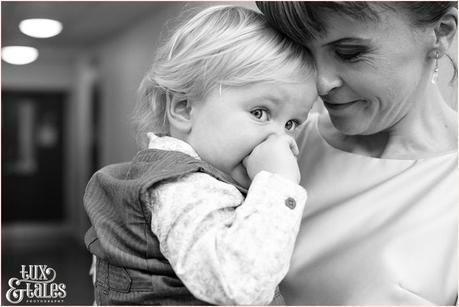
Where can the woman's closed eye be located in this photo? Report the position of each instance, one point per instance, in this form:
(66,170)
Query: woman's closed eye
(351,54)
(348,57)
(261,114)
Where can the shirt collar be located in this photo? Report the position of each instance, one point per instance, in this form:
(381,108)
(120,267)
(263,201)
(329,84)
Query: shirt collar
(170,143)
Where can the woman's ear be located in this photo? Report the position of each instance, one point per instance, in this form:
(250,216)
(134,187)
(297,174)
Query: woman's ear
(179,115)
(445,30)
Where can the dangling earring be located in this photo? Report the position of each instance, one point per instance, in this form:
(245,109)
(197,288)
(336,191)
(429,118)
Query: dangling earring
(435,72)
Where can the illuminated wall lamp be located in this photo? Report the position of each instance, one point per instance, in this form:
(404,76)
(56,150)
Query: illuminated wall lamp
(19,55)
(40,27)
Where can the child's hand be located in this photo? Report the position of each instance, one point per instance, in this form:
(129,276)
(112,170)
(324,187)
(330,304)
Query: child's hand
(277,155)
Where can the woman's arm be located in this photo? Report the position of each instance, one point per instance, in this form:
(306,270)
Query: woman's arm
(227,250)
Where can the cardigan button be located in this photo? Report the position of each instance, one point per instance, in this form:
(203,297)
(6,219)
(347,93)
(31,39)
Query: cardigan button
(290,203)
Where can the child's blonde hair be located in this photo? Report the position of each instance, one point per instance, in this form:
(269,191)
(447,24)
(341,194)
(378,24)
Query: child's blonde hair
(220,46)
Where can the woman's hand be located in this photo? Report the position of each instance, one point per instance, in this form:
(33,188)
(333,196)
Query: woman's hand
(277,155)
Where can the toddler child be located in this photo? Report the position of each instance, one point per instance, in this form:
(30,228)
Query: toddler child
(217,113)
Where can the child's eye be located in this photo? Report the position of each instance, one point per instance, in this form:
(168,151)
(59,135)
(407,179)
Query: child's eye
(291,125)
(260,114)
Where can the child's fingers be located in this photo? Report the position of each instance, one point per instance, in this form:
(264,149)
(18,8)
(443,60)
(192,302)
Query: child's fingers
(244,162)
(293,146)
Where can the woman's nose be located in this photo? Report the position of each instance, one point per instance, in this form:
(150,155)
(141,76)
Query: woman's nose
(328,79)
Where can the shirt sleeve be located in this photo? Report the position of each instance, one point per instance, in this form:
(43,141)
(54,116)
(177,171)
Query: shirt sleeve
(227,250)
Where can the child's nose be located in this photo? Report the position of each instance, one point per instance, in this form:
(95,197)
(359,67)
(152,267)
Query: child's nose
(278,129)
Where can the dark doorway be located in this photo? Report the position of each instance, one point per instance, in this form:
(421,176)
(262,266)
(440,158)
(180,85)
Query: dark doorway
(32,156)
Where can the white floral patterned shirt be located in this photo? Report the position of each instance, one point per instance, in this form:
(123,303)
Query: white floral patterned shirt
(226,249)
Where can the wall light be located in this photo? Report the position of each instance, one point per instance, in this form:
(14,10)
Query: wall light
(40,27)
(19,55)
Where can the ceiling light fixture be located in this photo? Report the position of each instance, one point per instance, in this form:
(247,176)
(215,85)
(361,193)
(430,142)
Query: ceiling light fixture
(40,27)
(19,55)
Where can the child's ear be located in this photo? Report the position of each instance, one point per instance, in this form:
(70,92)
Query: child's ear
(445,30)
(179,115)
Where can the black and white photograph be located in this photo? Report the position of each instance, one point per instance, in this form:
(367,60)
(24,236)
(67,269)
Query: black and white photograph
(229,153)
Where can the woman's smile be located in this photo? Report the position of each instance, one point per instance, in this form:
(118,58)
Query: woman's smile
(336,108)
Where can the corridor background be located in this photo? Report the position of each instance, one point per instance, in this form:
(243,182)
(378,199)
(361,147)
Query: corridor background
(67,114)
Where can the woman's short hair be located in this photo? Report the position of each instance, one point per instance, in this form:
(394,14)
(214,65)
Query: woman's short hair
(302,21)
(219,46)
